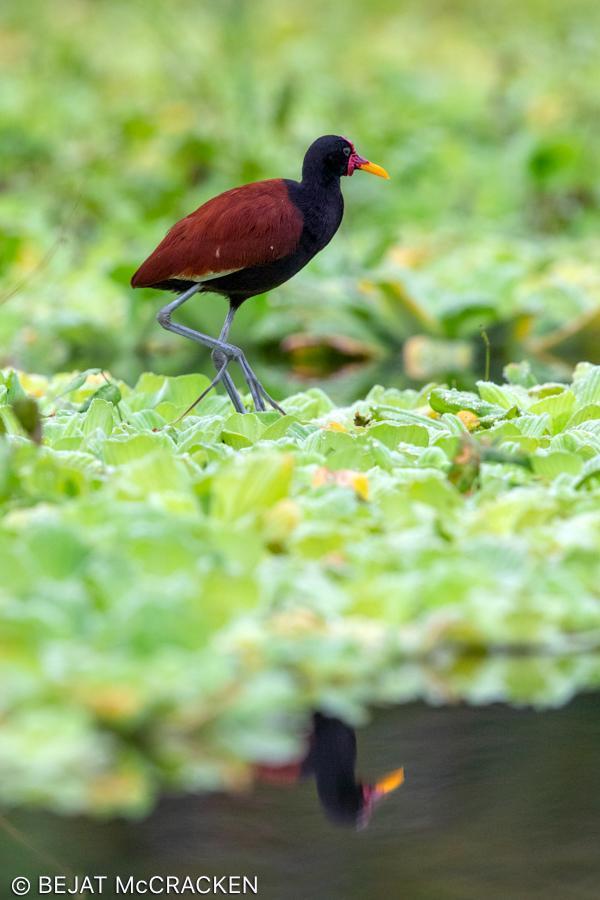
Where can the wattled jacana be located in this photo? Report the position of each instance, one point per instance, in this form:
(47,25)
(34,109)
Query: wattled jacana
(247,241)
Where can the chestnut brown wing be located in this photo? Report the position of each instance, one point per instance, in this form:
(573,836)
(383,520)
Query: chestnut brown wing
(247,226)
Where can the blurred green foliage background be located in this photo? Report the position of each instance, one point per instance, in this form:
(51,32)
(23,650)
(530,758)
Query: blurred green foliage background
(117,118)
(177,596)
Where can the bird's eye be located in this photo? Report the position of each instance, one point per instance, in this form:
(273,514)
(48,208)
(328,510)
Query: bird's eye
(346,151)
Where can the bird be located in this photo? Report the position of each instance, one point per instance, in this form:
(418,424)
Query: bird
(249,240)
(331,760)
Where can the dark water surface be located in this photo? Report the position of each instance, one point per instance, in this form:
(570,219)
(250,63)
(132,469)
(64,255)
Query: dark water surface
(497,803)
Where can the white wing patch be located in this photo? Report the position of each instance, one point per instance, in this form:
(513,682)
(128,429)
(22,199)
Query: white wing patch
(207,276)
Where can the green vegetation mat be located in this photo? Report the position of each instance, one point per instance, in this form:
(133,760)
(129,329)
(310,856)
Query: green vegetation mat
(176,598)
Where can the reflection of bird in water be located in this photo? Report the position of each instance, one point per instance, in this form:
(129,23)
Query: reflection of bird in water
(331,759)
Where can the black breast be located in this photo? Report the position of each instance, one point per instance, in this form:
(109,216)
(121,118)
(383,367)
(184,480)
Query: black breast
(322,208)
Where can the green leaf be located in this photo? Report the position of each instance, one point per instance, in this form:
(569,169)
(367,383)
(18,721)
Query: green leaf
(152,390)
(534,425)
(393,398)
(584,414)
(250,485)
(282,426)
(554,463)
(249,426)
(450,400)
(100,416)
(75,383)
(519,373)
(123,449)
(590,472)
(153,473)
(109,392)
(586,387)
(10,422)
(27,412)
(392,435)
(558,406)
(499,396)
(309,405)
(14,391)
(235,439)
(406,417)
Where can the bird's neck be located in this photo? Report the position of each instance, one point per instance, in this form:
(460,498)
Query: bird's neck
(318,181)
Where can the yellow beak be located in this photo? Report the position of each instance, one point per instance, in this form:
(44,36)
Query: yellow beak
(373,168)
(389,782)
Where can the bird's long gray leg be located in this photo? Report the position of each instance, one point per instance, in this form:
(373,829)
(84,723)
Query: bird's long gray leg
(256,388)
(228,350)
(231,389)
(221,362)
(217,357)
(164,319)
(220,349)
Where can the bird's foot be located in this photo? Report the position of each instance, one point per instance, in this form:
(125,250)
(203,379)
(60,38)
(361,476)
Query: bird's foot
(259,394)
(221,358)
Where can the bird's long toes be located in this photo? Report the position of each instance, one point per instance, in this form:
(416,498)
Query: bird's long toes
(270,400)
